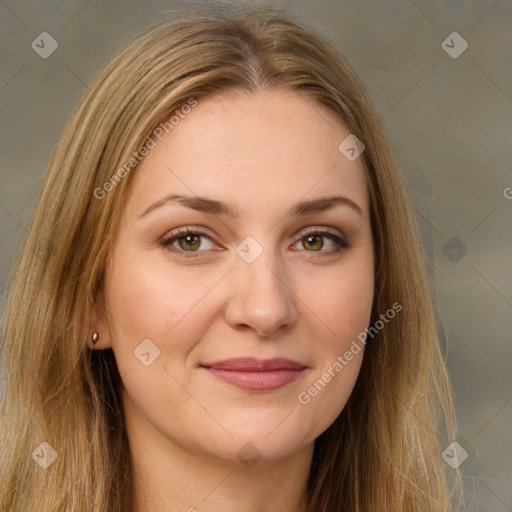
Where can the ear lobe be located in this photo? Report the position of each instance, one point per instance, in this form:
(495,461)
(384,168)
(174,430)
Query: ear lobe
(98,323)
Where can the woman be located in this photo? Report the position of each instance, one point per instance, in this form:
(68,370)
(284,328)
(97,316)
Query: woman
(222,300)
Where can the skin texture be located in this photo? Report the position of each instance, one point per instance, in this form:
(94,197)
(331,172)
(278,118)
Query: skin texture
(262,153)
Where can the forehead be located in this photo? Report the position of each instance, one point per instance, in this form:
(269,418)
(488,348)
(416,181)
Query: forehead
(251,150)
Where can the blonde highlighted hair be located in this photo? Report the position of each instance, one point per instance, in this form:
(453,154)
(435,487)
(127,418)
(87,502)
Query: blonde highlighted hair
(383,452)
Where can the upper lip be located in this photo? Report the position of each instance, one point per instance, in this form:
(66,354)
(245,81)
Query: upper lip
(252,364)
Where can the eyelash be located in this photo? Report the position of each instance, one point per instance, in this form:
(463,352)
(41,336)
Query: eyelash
(183,232)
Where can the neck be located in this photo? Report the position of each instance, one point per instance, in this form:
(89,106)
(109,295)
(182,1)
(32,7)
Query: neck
(172,478)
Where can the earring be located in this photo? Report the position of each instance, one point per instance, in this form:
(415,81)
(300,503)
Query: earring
(95,337)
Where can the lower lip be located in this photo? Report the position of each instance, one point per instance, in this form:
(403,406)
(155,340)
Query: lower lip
(257,381)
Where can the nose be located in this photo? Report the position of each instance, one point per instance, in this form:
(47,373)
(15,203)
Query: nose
(262,297)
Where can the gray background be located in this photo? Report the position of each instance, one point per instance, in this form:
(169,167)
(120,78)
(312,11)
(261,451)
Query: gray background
(450,120)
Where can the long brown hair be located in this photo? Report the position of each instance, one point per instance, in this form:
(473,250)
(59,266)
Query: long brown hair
(383,452)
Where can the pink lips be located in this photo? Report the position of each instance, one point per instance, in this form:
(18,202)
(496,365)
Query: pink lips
(256,374)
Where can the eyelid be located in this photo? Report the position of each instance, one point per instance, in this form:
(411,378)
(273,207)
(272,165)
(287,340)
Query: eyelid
(323,229)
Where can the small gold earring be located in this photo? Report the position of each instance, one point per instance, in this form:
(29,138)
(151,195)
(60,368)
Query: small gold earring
(95,337)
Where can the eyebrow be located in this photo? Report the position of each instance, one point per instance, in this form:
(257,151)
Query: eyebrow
(214,207)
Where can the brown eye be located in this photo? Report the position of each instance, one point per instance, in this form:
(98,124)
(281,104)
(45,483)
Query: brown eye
(313,242)
(188,241)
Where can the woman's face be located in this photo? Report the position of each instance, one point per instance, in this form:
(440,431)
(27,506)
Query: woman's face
(256,286)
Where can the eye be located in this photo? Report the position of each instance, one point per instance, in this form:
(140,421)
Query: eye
(313,239)
(189,241)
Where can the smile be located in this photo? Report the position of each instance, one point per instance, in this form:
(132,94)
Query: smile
(256,375)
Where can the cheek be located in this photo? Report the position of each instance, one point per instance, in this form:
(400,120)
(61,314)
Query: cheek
(343,303)
(146,303)
(146,300)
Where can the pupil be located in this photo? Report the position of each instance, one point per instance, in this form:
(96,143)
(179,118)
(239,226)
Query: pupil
(189,241)
(313,237)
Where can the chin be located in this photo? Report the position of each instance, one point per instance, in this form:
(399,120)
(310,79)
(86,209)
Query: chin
(257,443)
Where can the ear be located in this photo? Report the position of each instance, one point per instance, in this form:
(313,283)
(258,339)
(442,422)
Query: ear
(98,322)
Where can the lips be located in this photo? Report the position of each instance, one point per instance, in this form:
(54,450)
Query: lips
(256,374)
(251,364)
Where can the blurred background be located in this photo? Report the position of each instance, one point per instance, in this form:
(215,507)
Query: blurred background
(440,75)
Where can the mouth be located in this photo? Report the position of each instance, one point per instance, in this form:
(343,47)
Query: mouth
(256,374)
